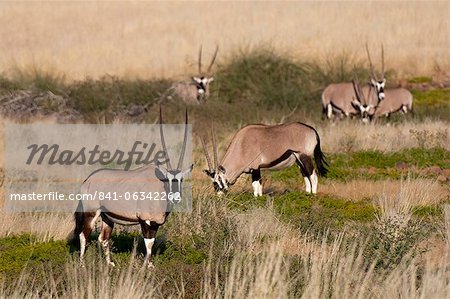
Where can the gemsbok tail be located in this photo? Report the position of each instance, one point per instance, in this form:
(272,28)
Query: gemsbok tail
(319,157)
(79,223)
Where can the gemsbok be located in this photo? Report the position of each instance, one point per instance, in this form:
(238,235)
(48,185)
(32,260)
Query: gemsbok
(258,147)
(154,179)
(386,101)
(338,98)
(396,100)
(195,90)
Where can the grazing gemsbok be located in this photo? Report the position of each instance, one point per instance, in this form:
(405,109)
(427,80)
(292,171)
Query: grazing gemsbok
(362,97)
(150,179)
(273,147)
(195,90)
(396,99)
(338,98)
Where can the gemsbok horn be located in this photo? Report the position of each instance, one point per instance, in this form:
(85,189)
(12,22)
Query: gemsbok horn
(196,90)
(150,179)
(273,147)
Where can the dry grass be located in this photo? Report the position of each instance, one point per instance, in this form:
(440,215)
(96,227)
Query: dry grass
(161,39)
(420,191)
(349,136)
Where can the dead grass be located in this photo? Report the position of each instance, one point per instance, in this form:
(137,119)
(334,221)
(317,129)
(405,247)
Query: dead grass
(420,191)
(161,39)
(350,136)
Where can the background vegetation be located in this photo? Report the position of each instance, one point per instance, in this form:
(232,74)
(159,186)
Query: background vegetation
(380,224)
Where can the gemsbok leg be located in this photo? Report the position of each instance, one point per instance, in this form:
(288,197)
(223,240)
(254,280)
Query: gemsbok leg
(306,166)
(105,236)
(84,225)
(149,231)
(256,182)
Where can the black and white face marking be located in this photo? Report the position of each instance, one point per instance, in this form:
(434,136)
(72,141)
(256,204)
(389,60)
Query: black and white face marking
(379,86)
(218,178)
(173,179)
(366,111)
(201,83)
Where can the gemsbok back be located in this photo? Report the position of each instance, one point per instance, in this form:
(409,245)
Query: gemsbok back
(195,90)
(157,179)
(258,147)
(338,98)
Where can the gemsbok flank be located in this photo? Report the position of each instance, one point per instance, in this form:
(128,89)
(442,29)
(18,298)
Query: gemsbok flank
(195,90)
(338,98)
(258,147)
(150,216)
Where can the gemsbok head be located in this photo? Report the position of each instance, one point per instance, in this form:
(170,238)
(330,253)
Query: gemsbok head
(158,187)
(362,101)
(195,90)
(273,147)
(379,83)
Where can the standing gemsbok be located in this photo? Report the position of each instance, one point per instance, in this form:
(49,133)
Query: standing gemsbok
(149,213)
(273,147)
(195,90)
(338,98)
(386,101)
(396,99)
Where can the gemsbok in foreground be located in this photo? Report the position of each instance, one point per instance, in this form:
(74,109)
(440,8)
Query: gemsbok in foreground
(338,98)
(156,179)
(258,147)
(195,90)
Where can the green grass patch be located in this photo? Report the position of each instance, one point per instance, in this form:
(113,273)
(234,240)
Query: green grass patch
(20,252)
(420,79)
(434,103)
(309,212)
(375,165)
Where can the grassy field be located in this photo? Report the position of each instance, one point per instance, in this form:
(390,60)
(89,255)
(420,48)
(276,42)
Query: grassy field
(379,226)
(161,39)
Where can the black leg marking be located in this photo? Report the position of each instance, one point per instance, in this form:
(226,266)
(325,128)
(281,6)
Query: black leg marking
(306,166)
(256,175)
(148,231)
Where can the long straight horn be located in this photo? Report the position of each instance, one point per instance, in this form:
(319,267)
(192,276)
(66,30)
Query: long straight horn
(208,158)
(213,59)
(214,149)
(370,63)
(357,90)
(163,142)
(382,62)
(183,148)
(200,60)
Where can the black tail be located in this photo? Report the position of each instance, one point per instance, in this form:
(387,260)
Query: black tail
(319,157)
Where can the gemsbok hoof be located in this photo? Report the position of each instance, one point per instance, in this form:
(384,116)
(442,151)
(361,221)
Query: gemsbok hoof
(150,266)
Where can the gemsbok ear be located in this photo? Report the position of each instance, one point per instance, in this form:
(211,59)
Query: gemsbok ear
(188,170)
(373,82)
(197,79)
(210,79)
(209,173)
